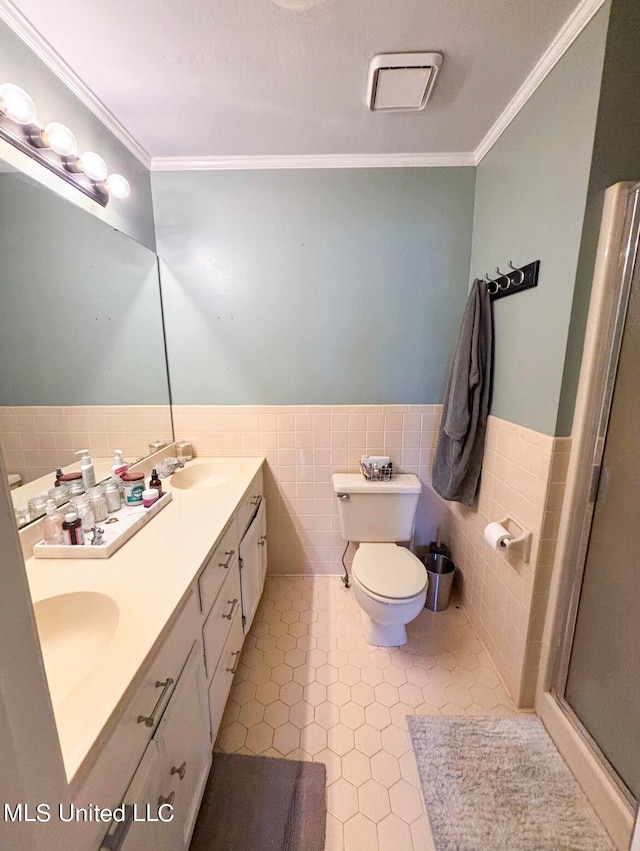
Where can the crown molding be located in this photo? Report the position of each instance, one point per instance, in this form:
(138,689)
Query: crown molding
(313,161)
(570,30)
(43,50)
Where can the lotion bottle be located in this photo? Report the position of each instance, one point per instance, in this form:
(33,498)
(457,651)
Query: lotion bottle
(86,468)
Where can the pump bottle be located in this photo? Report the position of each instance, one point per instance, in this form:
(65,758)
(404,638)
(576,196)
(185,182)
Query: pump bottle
(86,468)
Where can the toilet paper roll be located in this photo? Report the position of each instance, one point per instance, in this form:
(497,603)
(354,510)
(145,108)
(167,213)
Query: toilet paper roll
(497,536)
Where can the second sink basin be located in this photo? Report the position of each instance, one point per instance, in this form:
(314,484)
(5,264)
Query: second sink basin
(208,475)
(75,629)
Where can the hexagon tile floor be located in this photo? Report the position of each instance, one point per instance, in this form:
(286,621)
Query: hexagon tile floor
(310,687)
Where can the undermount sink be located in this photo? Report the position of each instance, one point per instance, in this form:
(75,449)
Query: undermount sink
(208,475)
(75,629)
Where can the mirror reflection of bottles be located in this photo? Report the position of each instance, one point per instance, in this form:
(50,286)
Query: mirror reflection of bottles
(52,524)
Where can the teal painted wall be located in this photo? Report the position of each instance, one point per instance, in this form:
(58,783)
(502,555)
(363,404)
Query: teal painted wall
(531,191)
(616,157)
(313,286)
(55,102)
(80,316)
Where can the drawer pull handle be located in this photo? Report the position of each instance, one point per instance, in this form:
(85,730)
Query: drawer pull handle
(168,800)
(180,771)
(262,541)
(114,841)
(234,667)
(226,563)
(255,500)
(150,720)
(229,614)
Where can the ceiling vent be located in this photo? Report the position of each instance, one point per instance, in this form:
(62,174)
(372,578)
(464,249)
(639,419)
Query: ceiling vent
(401,82)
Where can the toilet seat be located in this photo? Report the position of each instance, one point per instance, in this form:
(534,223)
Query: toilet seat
(389,573)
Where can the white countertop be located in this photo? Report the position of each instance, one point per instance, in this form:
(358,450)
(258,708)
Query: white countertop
(147,578)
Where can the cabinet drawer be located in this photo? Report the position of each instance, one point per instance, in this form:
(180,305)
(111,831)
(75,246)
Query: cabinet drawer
(152,696)
(217,568)
(223,677)
(250,503)
(216,627)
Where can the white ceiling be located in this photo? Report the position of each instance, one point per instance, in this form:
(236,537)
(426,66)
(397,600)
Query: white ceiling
(216,78)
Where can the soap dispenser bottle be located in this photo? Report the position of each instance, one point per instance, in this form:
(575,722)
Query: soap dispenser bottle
(117,469)
(86,468)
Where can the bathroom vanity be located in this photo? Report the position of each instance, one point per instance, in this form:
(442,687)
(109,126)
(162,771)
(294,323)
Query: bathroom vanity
(140,652)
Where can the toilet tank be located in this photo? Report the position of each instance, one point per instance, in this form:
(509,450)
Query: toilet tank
(376,511)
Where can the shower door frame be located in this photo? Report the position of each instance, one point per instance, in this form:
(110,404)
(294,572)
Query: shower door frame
(628,268)
(613,276)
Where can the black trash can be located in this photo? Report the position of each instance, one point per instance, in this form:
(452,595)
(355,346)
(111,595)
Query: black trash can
(440,570)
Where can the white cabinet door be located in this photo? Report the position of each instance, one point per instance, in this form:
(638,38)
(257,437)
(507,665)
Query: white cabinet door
(141,829)
(251,569)
(184,743)
(262,540)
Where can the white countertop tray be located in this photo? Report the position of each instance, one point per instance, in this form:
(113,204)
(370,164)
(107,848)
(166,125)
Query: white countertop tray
(131,518)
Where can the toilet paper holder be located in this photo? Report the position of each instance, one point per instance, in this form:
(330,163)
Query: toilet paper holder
(521,536)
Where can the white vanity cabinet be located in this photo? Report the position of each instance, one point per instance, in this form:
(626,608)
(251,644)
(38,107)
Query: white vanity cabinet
(184,744)
(252,551)
(173,772)
(163,736)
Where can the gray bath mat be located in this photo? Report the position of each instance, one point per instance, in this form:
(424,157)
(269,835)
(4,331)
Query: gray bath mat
(256,802)
(499,784)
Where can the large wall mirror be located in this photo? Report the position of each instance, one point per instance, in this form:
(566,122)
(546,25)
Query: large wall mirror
(82,352)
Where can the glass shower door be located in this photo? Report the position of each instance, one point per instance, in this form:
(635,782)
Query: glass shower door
(602,687)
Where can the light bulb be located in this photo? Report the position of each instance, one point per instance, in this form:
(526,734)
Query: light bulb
(16,104)
(60,139)
(118,186)
(93,166)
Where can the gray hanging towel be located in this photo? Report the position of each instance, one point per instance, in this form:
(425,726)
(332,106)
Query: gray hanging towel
(460,450)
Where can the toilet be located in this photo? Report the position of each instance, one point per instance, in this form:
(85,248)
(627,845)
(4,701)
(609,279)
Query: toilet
(15,481)
(389,581)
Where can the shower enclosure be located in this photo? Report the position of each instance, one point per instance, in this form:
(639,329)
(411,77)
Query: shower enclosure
(593,675)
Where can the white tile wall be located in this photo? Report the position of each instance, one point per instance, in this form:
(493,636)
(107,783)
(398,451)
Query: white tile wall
(36,440)
(303,445)
(523,475)
(505,598)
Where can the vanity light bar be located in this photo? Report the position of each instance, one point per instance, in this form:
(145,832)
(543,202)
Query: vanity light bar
(55,147)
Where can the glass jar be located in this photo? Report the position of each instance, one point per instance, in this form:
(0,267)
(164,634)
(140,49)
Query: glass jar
(76,488)
(83,508)
(133,487)
(69,479)
(184,451)
(98,502)
(59,495)
(37,506)
(112,495)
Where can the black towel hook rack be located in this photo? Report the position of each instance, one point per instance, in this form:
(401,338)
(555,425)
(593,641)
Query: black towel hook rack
(515,281)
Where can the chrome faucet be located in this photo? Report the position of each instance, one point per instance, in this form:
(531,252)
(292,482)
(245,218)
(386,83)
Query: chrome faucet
(168,466)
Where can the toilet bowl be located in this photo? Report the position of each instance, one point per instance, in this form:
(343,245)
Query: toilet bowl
(390,585)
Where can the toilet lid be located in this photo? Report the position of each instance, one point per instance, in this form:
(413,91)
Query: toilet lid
(389,571)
